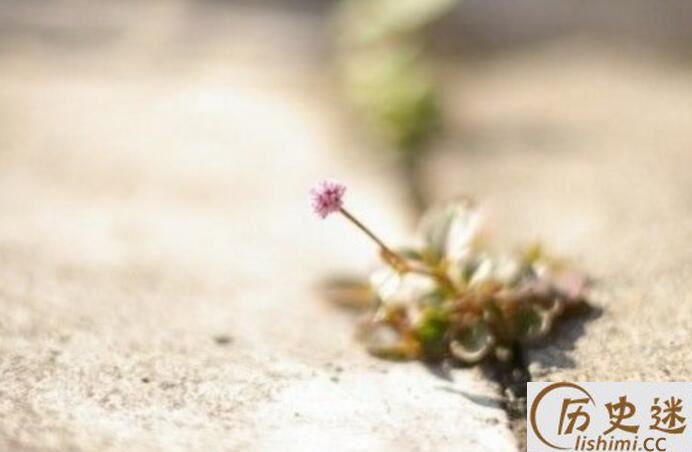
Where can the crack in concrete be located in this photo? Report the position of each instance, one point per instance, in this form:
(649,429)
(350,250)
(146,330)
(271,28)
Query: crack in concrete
(512,376)
(513,379)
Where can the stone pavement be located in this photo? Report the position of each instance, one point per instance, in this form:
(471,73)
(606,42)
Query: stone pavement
(588,151)
(159,258)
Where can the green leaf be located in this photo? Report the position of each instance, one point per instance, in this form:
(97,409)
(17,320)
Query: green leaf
(395,93)
(411,254)
(348,292)
(531,322)
(473,343)
(384,341)
(393,287)
(434,298)
(431,330)
(449,230)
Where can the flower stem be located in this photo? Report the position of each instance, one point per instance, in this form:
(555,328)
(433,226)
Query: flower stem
(390,257)
(363,228)
(395,260)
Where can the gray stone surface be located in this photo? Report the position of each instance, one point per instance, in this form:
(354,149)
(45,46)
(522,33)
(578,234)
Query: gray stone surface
(588,151)
(158,258)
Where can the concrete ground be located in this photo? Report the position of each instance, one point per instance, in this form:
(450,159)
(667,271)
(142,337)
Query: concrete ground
(159,255)
(159,259)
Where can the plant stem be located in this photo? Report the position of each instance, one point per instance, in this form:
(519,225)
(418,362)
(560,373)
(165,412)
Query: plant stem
(389,256)
(364,228)
(395,260)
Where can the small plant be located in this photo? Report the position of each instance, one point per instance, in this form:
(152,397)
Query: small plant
(451,297)
(382,64)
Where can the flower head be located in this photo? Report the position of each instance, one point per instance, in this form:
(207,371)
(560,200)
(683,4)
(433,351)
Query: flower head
(327,197)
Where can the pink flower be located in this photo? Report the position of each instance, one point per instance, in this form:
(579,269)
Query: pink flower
(327,197)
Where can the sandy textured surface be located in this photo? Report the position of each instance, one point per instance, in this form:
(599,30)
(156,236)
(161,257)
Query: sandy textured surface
(159,258)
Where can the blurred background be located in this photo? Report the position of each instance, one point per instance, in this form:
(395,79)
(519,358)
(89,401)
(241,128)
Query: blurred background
(125,94)
(155,157)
